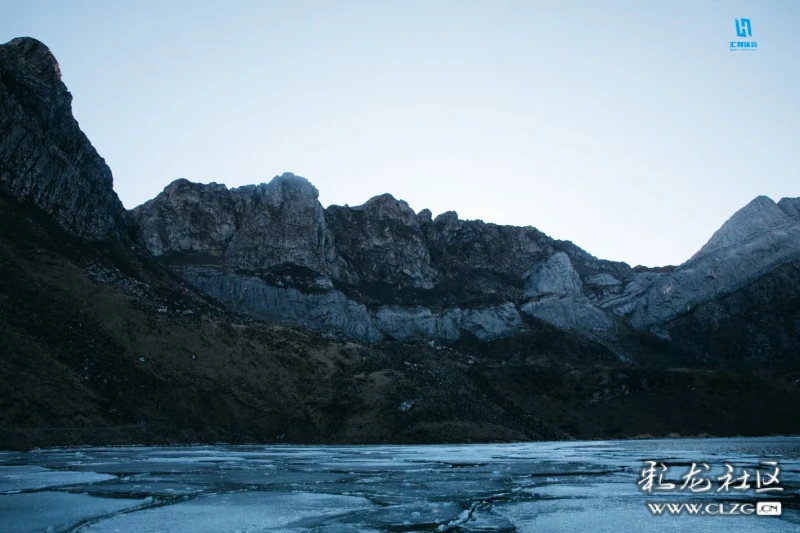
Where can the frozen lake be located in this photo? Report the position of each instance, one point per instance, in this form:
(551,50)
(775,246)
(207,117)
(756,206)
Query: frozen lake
(553,486)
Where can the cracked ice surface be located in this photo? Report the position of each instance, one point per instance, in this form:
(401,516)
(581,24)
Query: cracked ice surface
(548,486)
(15,478)
(54,511)
(235,512)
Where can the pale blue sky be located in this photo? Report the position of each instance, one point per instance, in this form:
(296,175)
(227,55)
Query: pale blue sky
(626,127)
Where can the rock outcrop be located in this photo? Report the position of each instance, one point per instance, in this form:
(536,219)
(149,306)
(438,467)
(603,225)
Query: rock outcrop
(250,227)
(382,242)
(44,156)
(295,299)
(556,296)
(755,240)
(381,271)
(554,277)
(376,271)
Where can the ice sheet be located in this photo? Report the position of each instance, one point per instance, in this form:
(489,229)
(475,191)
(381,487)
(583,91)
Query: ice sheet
(54,511)
(16,478)
(550,486)
(244,512)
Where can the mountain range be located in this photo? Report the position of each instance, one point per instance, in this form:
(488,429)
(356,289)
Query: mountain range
(254,314)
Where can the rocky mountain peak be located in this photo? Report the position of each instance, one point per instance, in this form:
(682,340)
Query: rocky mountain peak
(752,221)
(35,53)
(425,216)
(386,206)
(44,156)
(448,217)
(31,72)
(184,186)
(254,226)
(288,188)
(755,240)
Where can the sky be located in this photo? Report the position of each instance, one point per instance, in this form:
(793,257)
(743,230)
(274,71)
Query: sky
(629,128)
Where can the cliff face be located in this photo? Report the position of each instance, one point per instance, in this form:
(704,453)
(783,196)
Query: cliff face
(44,156)
(755,240)
(381,271)
(252,227)
(374,271)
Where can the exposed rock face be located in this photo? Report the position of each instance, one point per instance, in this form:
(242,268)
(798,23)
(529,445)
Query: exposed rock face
(323,310)
(398,274)
(189,217)
(44,156)
(249,227)
(555,277)
(284,223)
(382,254)
(759,322)
(486,324)
(327,309)
(557,296)
(383,243)
(758,238)
(569,312)
(458,246)
(790,206)
(761,216)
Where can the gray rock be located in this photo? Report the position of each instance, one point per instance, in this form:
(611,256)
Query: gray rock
(380,271)
(790,206)
(383,243)
(554,277)
(283,223)
(460,247)
(492,323)
(45,158)
(558,297)
(418,323)
(327,311)
(424,216)
(603,280)
(448,325)
(188,217)
(332,311)
(569,312)
(761,216)
(407,405)
(758,238)
(249,227)
(381,247)
(623,303)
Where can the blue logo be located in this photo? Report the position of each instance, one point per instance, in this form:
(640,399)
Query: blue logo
(743,29)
